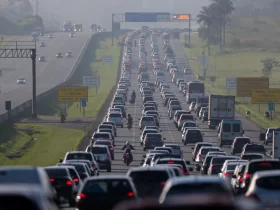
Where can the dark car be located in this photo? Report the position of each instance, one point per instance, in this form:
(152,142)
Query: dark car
(254,166)
(63,183)
(153,140)
(206,163)
(197,147)
(192,136)
(112,124)
(109,144)
(149,181)
(105,192)
(217,163)
(238,144)
(177,161)
(103,156)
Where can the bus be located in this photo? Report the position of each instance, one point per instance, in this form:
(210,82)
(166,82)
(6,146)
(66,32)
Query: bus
(194,90)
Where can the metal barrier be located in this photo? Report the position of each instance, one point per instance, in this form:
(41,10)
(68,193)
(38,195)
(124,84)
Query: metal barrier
(17,110)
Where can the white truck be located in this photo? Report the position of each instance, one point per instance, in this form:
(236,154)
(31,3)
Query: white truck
(220,108)
(275,153)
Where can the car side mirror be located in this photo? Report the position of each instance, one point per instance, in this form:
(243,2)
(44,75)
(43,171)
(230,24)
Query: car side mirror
(190,169)
(234,176)
(188,162)
(60,160)
(144,156)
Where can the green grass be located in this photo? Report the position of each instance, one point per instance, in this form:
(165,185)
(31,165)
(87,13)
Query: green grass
(36,144)
(243,62)
(108,78)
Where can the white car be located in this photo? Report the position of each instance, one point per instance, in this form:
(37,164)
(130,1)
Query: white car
(69,54)
(42,58)
(21,80)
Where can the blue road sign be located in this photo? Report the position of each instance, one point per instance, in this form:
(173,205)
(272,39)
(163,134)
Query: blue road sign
(147,16)
(270,106)
(84,102)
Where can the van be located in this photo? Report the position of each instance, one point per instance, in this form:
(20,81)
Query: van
(228,130)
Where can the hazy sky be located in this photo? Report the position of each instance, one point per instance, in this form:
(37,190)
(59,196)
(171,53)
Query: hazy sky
(100,11)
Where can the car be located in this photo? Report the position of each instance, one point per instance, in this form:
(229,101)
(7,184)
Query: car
(93,169)
(79,155)
(72,35)
(107,191)
(238,144)
(192,135)
(264,188)
(115,117)
(195,184)
(101,136)
(171,161)
(51,36)
(107,143)
(42,44)
(80,167)
(149,181)
(21,81)
(69,54)
(24,196)
(27,175)
(63,183)
(59,55)
(110,123)
(152,140)
(42,58)
(175,148)
(103,155)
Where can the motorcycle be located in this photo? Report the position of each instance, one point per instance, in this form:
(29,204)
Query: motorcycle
(62,118)
(128,158)
(132,101)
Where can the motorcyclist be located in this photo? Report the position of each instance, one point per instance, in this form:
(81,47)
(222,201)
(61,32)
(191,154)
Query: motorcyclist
(133,95)
(129,120)
(62,116)
(127,149)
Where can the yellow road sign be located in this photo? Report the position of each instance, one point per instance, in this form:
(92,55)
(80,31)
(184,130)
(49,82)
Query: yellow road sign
(72,93)
(264,96)
(245,85)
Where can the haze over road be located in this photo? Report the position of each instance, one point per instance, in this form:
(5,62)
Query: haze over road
(167,126)
(49,74)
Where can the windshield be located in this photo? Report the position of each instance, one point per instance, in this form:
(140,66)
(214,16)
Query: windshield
(83,156)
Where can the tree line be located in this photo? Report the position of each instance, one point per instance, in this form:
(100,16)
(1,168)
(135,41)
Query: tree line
(213,20)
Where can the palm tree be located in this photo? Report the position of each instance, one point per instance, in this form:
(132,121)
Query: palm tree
(225,8)
(205,18)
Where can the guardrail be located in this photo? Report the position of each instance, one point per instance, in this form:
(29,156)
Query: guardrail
(17,110)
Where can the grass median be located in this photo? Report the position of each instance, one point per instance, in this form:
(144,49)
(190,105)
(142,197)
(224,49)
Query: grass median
(30,144)
(244,61)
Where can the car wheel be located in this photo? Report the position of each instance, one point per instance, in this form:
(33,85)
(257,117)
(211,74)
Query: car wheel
(109,169)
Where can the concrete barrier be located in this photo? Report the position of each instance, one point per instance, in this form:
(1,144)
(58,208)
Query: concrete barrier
(17,110)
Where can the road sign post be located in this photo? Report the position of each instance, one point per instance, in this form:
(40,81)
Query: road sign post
(212,79)
(84,104)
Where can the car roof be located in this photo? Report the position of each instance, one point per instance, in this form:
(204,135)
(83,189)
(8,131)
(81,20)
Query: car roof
(146,169)
(260,174)
(110,177)
(77,152)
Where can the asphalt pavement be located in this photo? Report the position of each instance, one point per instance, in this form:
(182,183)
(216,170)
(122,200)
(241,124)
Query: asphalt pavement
(167,126)
(49,74)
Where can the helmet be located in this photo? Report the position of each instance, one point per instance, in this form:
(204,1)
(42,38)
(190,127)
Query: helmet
(127,142)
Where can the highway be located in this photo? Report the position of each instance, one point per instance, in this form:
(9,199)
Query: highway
(49,74)
(167,126)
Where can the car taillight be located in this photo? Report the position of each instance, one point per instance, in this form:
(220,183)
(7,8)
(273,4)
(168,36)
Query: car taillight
(69,182)
(253,196)
(247,176)
(76,180)
(130,194)
(51,180)
(240,179)
(182,171)
(93,165)
(211,167)
(187,173)
(81,196)
(226,174)
(111,148)
(162,184)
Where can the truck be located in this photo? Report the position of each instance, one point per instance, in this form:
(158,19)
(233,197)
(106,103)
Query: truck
(78,27)
(95,27)
(275,153)
(67,26)
(220,108)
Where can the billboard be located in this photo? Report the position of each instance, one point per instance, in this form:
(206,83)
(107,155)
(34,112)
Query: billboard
(245,85)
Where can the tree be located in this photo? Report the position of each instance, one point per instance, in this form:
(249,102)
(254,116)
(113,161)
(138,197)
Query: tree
(205,18)
(224,9)
(268,65)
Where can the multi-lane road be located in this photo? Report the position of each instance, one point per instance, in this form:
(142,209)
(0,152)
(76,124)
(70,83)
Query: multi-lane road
(49,74)
(169,131)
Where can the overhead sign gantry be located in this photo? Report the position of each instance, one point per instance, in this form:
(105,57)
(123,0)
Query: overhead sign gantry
(144,17)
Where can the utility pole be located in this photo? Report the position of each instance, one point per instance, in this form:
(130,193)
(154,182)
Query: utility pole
(37,7)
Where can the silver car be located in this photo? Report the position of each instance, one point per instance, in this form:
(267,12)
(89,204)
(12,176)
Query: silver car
(146,121)
(115,117)
(265,188)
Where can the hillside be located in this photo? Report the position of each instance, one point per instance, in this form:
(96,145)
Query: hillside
(8,28)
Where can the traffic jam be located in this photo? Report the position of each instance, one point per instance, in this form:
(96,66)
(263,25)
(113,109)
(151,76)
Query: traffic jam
(231,172)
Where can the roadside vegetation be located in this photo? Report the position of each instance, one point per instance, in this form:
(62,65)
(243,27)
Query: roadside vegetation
(30,144)
(237,47)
